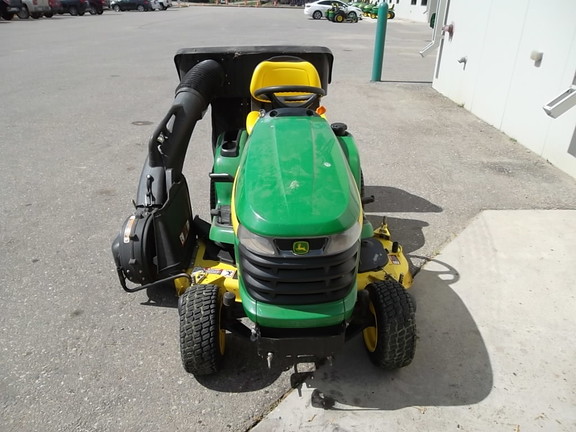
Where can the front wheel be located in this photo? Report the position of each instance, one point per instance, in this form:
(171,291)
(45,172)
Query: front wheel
(202,338)
(116,8)
(317,15)
(92,10)
(73,11)
(140,8)
(391,339)
(391,15)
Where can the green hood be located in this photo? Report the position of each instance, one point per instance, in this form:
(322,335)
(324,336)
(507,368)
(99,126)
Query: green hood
(295,180)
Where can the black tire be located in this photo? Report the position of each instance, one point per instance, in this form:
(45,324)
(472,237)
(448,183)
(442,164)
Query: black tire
(391,342)
(317,15)
(92,10)
(140,8)
(73,11)
(391,15)
(202,339)
(339,17)
(24,13)
(100,11)
(116,8)
(7,16)
(353,17)
(81,13)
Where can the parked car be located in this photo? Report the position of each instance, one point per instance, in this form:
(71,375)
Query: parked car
(96,7)
(55,7)
(165,4)
(33,8)
(126,5)
(319,8)
(9,8)
(161,4)
(73,7)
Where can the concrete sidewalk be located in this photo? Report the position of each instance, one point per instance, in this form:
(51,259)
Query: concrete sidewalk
(496,349)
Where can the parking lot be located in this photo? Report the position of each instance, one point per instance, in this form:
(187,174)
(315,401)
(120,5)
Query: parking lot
(79,98)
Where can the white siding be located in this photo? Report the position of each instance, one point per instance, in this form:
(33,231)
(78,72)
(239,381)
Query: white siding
(500,83)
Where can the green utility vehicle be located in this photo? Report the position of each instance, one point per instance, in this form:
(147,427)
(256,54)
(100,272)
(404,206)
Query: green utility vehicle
(288,260)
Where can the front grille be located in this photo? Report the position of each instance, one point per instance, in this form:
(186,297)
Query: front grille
(298,280)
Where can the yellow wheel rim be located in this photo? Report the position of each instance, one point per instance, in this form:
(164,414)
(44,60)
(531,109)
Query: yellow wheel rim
(370,334)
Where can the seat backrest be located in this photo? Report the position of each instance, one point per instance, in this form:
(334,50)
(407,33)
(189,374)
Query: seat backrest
(283,70)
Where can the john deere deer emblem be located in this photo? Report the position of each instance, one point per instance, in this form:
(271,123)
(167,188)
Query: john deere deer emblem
(300,247)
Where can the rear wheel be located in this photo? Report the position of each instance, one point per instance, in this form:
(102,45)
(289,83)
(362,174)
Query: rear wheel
(24,13)
(339,17)
(116,8)
(317,15)
(73,11)
(92,10)
(140,8)
(391,15)
(202,339)
(391,340)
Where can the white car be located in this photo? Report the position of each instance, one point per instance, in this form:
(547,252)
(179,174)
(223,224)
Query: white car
(319,8)
(160,4)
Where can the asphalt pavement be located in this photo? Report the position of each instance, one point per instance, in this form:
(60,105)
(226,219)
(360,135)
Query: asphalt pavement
(79,354)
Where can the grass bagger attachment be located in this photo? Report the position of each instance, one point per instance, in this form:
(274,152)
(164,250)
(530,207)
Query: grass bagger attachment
(288,260)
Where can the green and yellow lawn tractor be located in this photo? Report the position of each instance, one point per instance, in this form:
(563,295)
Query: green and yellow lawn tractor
(288,261)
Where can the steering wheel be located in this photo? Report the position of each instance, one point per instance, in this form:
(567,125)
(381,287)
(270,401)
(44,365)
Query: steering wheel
(288,101)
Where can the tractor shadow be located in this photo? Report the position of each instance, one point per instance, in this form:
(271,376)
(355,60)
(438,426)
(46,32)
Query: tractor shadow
(243,370)
(451,366)
(407,231)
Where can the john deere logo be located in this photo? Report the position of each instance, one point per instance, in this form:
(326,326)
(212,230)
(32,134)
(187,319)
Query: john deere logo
(300,247)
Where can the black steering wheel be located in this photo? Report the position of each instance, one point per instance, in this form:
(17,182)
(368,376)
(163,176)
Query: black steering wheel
(306,100)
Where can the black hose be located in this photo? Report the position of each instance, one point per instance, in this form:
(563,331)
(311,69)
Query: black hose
(206,77)
(193,95)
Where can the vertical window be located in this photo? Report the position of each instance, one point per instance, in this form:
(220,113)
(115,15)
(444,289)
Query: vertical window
(413,2)
(424,2)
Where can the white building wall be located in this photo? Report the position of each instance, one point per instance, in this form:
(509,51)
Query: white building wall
(405,10)
(500,83)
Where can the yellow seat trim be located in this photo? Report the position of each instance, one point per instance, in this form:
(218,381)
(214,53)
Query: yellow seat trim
(251,120)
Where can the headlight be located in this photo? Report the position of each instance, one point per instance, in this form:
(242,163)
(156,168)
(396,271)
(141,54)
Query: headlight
(340,242)
(255,243)
(328,245)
